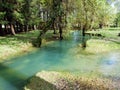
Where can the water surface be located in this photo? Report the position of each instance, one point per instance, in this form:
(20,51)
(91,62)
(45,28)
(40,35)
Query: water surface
(58,56)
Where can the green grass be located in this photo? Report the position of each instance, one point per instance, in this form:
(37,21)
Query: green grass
(11,46)
(108,42)
(112,28)
(107,33)
(96,46)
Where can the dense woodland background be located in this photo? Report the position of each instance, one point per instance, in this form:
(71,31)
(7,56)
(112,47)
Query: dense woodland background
(25,15)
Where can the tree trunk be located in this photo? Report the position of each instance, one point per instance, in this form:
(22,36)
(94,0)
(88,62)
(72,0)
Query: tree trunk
(35,27)
(5,30)
(83,42)
(60,27)
(12,29)
(83,37)
(54,31)
(54,27)
(85,26)
(26,28)
(116,23)
(83,30)
(17,28)
(1,31)
(21,28)
(100,25)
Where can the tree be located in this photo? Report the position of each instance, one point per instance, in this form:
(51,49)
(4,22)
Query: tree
(117,20)
(11,10)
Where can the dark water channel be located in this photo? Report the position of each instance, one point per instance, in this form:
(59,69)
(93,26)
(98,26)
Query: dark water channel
(57,56)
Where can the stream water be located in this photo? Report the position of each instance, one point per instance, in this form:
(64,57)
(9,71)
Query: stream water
(57,56)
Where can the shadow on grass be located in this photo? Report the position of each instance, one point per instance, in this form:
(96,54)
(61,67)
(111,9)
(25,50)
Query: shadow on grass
(17,39)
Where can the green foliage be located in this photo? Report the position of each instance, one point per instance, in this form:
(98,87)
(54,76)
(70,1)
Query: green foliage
(117,20)
(92,13)
(2,15)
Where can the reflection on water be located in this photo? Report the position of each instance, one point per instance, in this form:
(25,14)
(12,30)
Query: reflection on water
(57,57)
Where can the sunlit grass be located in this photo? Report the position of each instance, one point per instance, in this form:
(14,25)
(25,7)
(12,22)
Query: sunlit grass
(107,33)
(94,47)
(101,46)
(67,81)
(11,46)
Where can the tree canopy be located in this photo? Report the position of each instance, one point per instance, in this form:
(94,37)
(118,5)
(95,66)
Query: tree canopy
(24,15)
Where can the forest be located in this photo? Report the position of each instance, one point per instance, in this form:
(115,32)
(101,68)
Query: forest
(25,15)
(59,44)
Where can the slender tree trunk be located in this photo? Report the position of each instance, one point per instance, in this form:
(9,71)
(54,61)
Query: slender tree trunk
(5,30)
(83,30)
(83,37)
(59,4)
(17,27)
(84,26)
(60,27)
(54,27)
(12,29)
(100,25)
(1,31)
(54,16)
(86,19)
(35,27)
(116,23)
(83,43)
(26,28)
(21,27)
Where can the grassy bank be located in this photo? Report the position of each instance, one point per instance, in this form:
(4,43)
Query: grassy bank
(98,46)
(11,46)
(65,81)
(23,43)
(107,33)
(107,42)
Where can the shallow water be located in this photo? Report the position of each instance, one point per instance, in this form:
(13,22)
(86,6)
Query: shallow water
(58,56)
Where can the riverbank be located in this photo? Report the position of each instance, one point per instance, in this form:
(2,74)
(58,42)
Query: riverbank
(65,81)
(111,34)
(99,46)
(23,43)
(20,44)
(103,41)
